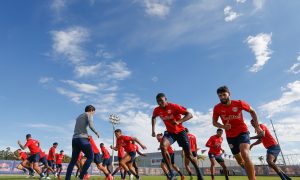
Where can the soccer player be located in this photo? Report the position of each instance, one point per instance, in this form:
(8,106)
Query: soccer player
(23,157)
(97,159)
(171,114)
(105,157)
(81,142)
(126,143)
(237,134)
(214,143)
(79,163)
(170,150)
(59,159)
(273,149)
(194,149)
(51,157)
(136,148)
(120,157)
(43,160)
(33,159)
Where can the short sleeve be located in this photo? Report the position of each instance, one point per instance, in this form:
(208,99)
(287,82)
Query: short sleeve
(28,143)
(179,109)
(245,106)
(216,113)
(155,114)
(263,127)
(127,138)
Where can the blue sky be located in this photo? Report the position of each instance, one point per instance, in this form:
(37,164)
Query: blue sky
(58,56)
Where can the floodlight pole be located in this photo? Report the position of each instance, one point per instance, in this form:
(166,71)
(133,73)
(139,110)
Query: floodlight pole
(114,120)
(278,142)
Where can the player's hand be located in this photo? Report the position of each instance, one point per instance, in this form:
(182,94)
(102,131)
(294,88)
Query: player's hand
(251,146)
(259,131)
(111,147)
(227,126)
(223,151)
(97,135)
(144,147)
(19,142)
(175,123)
(153,134)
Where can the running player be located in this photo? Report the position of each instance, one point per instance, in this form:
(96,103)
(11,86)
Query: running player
(43,161)
(105,157)
(273,149)
(126,142)
(79,164)
(80,141)
(120,157)
(97,159)
(214,143)
(136,148)
(237,134)
(170,150)
(59,159)
(33,159)
(23,156)
(51,157)
(171,114)
(194,149)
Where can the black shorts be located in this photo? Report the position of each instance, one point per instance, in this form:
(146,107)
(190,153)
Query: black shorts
(43,161)
(51,163)
(274,150)
(172,156)
(132,155)
(234,143)
(120,158)
(34,158)
(58,166)
(217,157)
(106,162)
(181,138)
(97,158)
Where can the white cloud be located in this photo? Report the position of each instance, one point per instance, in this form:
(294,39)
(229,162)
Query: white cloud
(91,70)
(230,15)
(240,1)
(154,78)
(158,8)
(75,97)
(259,4)
(259,45)
(295,68)
(82,87)
(289,96)
(118,70)
(44,80)
(68,43)
(58,5)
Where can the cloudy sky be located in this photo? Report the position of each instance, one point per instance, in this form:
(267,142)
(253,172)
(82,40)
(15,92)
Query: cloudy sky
(58,56)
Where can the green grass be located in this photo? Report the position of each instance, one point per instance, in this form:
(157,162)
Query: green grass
(163,178)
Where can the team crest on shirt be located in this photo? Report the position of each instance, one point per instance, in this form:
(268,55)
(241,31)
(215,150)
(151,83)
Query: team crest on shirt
(231,146)
(169,111)
(234,109)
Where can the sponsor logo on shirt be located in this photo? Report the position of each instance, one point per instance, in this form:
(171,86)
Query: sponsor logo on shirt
(235,109)
(231,117)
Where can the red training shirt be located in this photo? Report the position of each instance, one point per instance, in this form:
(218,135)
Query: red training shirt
(232,115)
(125,142)
(33,146)
(214,140)
(193,142)
(169,114)
(268,139)
(51,154)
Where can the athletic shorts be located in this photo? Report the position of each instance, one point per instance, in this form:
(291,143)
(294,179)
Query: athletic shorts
(194,153)
(172,156)
(132,155)
(34,158)
(181,138)
(106,162)
(234,143)
(274,150)
(58,166)
(97,158)
(217,157)
(120,158)
(43,160)
(51,163)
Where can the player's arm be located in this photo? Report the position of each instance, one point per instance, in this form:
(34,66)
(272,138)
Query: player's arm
(91,124)
(139,142)
(258,130)
(187,116)
(153,125)
(196,145)
(209,143)
(258,136)
(114,148)
(255,143)
(140,153)
(21,146)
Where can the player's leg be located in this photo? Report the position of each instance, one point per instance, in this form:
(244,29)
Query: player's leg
(126,160)
(86,148)
(75,154)
(212,166)
(164,168)
(135,167)
(175,167)
(249,167)
(168,140)
(183,142)
(221,161)
(187,167)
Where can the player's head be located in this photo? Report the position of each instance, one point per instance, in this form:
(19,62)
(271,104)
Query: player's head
(55,145)
(19,150)
(101,144)
(159,136)
(161,100)
(90,108)
(61,151)
(118,133)
(224,94)
(187,130)
(28,136)
(219,132)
